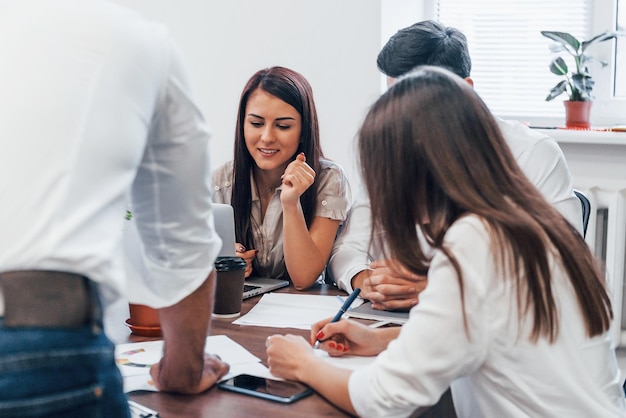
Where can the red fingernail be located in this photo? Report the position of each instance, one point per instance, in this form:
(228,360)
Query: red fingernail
(340,347)
(345,349)
(319,335)
(332,344)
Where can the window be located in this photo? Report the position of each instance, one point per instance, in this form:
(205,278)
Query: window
(510,57)
(620,58)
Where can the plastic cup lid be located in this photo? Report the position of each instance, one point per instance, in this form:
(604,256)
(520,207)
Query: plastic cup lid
(229,263)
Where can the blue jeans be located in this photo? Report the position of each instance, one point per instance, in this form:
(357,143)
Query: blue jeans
(52,372)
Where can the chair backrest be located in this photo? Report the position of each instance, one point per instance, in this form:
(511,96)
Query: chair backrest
(586,207)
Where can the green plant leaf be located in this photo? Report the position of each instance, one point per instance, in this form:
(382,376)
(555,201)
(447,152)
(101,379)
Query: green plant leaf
(600,38)
(556,48)
(584,84)
(586,59)
(557,90)
(570,43)
(579,83)
(558,66)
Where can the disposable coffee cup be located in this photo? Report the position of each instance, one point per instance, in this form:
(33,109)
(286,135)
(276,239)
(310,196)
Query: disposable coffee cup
(231,273)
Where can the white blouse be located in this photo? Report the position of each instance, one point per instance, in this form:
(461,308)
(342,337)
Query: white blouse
(334,198)
(504,374)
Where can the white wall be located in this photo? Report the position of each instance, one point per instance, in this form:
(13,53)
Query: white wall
(333,43)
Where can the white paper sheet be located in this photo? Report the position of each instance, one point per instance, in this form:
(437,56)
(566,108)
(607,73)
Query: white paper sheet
(285,310)
(134,360)
(346,362)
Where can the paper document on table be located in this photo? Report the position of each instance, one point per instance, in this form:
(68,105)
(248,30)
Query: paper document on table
(135,359)
(286,310)
(346,362)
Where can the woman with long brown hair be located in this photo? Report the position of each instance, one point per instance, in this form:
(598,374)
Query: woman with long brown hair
(289,200)
(515,315)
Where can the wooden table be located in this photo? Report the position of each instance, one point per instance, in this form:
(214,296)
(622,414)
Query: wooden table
(220,403)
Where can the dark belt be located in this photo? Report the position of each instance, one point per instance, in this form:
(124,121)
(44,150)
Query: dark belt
(48,299)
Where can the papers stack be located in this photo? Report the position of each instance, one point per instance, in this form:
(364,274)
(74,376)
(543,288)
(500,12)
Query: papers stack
(135,359)
(285,310)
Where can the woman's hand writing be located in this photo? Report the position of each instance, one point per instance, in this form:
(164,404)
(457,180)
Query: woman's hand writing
(349,337)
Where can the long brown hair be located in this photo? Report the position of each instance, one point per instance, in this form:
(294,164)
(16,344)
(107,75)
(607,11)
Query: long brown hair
(430,149)
(292,88)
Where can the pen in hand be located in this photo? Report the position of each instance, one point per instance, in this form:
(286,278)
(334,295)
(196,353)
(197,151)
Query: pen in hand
(342,310)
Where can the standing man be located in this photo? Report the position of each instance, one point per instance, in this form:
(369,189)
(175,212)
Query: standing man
(96,106)
(388,285)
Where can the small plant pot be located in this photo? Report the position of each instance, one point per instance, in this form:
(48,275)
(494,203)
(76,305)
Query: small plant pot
(143,321)
(577,114)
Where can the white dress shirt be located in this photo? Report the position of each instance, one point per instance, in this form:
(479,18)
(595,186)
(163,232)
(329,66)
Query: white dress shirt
(95,100)
(539,157)
(507,374)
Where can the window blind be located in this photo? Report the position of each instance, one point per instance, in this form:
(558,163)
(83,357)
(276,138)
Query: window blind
(510,57)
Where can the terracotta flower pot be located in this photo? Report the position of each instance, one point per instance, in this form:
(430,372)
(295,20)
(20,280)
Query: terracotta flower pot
(144,320)
(577,114)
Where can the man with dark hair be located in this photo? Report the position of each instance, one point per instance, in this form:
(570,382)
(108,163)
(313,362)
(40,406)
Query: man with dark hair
(390,286)
(426,42)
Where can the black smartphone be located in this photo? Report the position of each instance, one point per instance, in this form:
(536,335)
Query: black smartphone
(283,391)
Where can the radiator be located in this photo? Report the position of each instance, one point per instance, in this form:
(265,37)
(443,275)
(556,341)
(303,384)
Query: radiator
(606,236)
(597,161)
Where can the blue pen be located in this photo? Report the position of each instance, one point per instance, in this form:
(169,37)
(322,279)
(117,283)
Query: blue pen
(342,310)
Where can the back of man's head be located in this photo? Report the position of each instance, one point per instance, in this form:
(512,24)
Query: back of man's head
(425,43)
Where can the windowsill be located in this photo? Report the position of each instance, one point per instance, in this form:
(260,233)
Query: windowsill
(573,136)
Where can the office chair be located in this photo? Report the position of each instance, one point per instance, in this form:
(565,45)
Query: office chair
(586,207)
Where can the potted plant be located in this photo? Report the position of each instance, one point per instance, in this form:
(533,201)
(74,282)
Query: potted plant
(579,84)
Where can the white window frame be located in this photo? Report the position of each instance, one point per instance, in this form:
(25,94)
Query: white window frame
(607,110)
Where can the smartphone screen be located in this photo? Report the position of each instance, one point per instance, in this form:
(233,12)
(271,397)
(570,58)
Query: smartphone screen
(275,390)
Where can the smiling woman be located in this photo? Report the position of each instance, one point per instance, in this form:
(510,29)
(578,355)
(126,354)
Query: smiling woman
(272,134)
(289,200)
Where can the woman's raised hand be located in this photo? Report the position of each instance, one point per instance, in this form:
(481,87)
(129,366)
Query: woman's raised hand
(297,178)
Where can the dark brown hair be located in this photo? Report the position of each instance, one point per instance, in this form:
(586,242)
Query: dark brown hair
(425,43)
(292,88)
(430,149)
